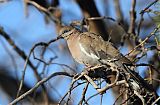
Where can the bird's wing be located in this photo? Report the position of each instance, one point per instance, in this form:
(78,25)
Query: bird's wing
(91,44)
(94,45)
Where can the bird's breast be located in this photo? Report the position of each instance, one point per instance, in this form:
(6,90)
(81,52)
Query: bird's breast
(79,53)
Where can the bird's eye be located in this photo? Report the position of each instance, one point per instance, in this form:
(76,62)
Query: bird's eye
(65,31)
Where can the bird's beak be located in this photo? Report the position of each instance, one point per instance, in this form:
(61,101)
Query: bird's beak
(60,37)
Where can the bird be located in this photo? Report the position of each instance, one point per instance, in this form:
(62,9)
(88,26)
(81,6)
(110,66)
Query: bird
(90,49)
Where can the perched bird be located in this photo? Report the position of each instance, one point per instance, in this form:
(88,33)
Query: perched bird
(91,50)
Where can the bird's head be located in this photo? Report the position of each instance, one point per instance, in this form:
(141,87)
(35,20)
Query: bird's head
(66,31)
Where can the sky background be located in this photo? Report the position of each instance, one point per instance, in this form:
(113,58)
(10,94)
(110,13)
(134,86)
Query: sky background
(27,31)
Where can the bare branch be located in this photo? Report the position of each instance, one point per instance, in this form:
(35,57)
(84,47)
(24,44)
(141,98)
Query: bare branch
(146,39)
(131,29)
(156,101)
(142,19)
(43,9)
(38,84)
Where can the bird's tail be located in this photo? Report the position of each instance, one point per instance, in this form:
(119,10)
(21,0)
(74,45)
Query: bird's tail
(138,80)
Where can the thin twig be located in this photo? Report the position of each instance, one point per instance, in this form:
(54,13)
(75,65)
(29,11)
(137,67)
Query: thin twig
(75,78)
(91,97)
(27,62)
(126,100)
(46,11)
(38,84)
(118,11)
(83,93)
(142,13)
(12,58)
(109,18)
(68,92)
(119,97)
(158,99)
(155,79)
(109,85)
(140,97)
(146,39)
(131,29)
(24,57)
